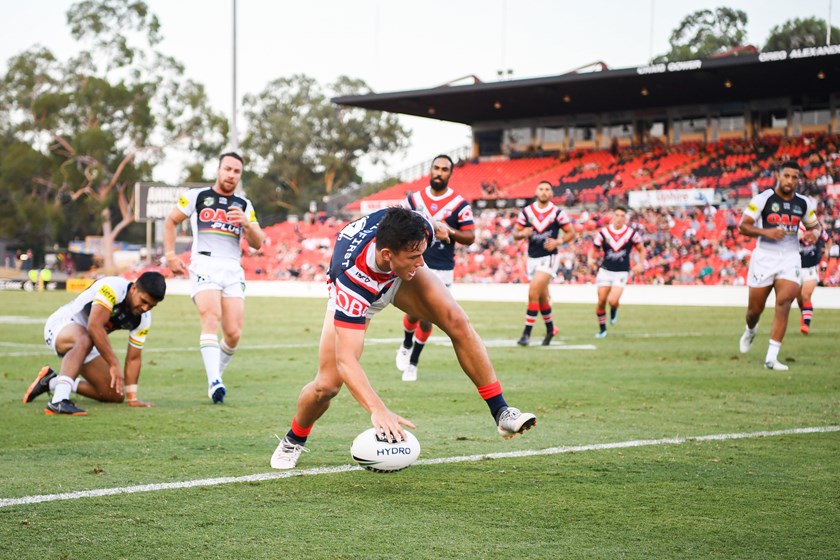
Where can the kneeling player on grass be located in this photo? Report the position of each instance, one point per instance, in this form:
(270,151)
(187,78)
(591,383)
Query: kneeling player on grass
(378,260)
(78,333)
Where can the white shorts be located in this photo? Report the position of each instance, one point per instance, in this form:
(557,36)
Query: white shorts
(214,273)
(375,307)
(549,264)
(55,324)
(446,276)
(611,278)
(768,266)
(810,274)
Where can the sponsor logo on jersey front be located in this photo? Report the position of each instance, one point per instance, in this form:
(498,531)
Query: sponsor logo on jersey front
(218,220)
(348,302)
(360,276)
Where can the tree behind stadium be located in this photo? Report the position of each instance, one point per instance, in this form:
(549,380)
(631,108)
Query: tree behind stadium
(799,34)
(100,121)
(704,33)
(304,147)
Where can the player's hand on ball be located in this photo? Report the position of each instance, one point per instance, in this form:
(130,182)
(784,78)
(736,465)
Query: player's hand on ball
(389,425)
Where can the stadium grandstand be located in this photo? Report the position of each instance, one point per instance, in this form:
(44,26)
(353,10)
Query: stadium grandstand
(685,145)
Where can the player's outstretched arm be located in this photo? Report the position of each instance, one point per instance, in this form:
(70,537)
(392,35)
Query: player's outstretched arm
(133,363)
(349,345)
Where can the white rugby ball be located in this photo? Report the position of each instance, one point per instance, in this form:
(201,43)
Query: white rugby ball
(376,454)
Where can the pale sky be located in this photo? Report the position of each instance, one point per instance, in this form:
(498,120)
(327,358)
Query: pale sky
(399,45)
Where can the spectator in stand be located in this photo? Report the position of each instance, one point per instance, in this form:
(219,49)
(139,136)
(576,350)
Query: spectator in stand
(774,217)
(541,223)
(616,239)
(812,263)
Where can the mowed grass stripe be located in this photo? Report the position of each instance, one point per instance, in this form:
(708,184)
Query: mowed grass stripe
(28,500)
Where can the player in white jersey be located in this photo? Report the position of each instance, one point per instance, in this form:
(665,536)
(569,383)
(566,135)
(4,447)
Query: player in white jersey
(774,217)
(541,223)
(78,333)
(219,219)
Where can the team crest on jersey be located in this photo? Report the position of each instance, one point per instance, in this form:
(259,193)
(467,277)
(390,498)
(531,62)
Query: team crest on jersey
(208,202)
(774,207)
(434,207)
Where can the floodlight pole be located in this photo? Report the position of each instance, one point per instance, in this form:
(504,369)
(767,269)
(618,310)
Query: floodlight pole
(828,26)
(234,141)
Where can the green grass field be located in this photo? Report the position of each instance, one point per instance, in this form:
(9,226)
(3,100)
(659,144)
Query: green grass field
(662,373)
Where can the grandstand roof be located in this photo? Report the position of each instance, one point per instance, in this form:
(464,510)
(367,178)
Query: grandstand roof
(808,76)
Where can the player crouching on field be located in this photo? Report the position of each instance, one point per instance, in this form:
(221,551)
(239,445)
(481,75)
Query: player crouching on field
(78,333)
(378,260)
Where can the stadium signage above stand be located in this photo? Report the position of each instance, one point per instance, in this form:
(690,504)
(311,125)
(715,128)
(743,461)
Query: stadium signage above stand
(680,66)
(809,52)
(671,198)
(771,56)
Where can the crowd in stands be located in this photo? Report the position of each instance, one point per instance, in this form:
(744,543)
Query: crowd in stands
(691,245)
(697,245)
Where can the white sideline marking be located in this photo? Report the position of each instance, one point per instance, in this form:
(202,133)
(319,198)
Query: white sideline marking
(26,500)
(21,320)
(42,350)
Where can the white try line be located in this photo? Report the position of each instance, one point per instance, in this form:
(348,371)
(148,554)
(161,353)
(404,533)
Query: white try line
(26,500)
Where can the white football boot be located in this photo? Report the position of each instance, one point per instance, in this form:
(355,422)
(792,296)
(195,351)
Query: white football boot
(410,373)
(747,340)
(287,454)
(403,355)
(775,365)
(511,422)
